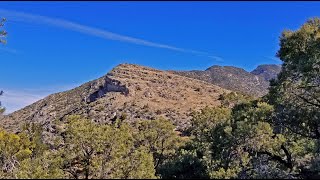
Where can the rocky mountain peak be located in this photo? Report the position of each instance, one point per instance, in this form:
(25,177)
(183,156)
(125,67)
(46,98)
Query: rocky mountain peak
(267,71)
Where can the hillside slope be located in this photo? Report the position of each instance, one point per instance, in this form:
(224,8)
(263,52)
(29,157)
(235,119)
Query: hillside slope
(134,91)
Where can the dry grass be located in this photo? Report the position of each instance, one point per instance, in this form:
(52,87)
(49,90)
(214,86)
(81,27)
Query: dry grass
(152,94)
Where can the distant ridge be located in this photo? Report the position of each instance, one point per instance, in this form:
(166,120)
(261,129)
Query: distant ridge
(253,83)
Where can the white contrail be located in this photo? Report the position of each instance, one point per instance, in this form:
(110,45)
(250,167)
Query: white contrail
(25,17)
(217,58)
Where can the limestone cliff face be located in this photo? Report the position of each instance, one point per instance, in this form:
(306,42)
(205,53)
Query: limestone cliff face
(109,85)
(136,91)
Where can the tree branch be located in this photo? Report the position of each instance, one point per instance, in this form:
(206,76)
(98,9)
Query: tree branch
(307,101)
(288,163)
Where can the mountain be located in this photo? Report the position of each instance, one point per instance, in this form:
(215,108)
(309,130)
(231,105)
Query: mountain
(267,71)
(253,83)
(133,91)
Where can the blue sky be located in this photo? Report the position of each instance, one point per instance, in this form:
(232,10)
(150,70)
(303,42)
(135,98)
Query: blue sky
(55,46)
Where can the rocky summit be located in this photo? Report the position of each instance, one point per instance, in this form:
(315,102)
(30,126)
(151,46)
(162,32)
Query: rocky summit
(253,83)
(267,71)
(133,91)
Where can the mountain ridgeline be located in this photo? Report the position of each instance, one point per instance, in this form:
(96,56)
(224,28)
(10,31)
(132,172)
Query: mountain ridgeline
(253,83)
(139,92)
(133,91)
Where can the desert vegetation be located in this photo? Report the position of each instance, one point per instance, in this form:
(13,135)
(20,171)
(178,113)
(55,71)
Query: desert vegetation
(273,136)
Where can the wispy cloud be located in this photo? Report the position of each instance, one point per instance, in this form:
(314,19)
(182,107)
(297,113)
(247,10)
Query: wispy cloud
(73,26)
(15,99)
(8,50)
